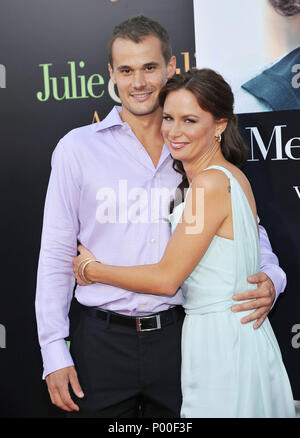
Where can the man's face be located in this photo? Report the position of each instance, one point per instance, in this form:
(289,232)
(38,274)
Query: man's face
(139,71)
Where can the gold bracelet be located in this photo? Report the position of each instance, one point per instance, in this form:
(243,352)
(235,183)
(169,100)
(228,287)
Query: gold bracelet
(83,268)
(79,266)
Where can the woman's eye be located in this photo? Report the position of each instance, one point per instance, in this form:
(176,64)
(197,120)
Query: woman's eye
(167,118)
(190,121)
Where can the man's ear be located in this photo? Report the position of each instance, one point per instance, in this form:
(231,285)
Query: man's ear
(111,73)
(171,69)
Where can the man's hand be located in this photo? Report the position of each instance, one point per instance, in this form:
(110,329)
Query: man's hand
(263,298)
(57,383)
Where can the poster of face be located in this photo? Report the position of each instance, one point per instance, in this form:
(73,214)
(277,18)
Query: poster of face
(256,46)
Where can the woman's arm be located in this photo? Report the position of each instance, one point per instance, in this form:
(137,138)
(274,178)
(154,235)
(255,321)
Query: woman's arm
(207,206)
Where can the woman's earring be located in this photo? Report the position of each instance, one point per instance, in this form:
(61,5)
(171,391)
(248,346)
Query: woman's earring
(218,138)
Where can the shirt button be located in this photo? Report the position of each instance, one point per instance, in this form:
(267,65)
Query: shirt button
(123,126)
(139,148)
(153,240)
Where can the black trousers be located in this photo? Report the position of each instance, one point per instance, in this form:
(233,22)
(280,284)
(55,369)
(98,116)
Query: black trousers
(125,373)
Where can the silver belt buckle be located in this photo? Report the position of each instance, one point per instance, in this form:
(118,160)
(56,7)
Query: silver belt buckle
(139,324)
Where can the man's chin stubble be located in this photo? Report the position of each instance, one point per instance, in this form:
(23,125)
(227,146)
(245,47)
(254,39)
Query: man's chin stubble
(146,113)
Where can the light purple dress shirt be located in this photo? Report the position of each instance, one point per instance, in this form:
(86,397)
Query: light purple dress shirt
(105,191)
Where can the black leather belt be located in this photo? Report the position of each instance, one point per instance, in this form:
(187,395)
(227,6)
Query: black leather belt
(140,323)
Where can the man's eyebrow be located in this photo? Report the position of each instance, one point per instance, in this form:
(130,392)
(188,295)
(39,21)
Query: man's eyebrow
(151,63)
(127,67)
(123,67)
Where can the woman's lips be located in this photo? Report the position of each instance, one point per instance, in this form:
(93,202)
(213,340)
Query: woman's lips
(177,145)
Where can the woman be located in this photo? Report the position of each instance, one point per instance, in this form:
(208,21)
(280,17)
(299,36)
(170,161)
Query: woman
(228,369)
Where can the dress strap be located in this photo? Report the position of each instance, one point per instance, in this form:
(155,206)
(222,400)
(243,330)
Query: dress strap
(228,174)
(226,171)
(245,232)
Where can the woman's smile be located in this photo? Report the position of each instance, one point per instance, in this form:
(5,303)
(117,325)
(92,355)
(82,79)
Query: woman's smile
(177,145)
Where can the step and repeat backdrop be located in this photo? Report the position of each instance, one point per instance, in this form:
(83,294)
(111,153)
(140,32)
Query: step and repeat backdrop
(54,77)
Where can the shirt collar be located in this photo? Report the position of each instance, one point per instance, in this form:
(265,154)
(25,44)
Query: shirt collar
(111,120)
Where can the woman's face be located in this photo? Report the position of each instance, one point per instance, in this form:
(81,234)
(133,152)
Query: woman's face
(188,130)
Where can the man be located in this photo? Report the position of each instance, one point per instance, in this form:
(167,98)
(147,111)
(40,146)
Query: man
(127,362)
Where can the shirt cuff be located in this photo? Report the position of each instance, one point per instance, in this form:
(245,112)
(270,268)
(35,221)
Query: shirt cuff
(278,277)
(55,356)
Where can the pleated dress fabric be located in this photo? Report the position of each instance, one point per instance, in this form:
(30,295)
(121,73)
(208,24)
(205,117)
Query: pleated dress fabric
(229,369)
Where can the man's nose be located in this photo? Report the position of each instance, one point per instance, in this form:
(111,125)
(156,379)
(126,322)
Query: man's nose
(139,80)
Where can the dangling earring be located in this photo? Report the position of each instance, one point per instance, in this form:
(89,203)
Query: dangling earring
(218,138)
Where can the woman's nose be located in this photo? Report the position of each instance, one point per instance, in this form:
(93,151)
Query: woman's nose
(174,131)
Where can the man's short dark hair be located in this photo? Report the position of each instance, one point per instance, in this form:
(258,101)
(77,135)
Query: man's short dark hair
(136,29)
(286,7)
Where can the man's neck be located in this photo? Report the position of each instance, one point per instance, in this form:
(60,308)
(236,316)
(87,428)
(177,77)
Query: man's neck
(147,129)
(143,126)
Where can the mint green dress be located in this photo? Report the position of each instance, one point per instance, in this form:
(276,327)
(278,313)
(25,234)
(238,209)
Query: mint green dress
(229,369)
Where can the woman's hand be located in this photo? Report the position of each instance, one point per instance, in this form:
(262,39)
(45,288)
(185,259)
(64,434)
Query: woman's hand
(84,254)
